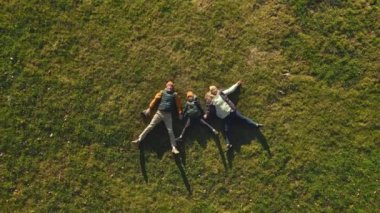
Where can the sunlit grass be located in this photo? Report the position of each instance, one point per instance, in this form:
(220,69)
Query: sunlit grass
(75,75)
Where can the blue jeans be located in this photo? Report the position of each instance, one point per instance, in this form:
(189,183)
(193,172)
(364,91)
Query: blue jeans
(227,123)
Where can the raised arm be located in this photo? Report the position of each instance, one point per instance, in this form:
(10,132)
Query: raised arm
(232,88)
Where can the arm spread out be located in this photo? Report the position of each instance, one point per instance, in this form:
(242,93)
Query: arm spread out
(208,108)
(231,89)
(155,100)
(179,104)
(199,107)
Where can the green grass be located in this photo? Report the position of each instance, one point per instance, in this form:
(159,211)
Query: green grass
(74,76)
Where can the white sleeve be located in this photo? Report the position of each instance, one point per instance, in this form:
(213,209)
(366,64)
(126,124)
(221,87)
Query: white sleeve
(231,89)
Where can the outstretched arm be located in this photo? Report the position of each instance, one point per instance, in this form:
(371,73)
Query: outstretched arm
(155,100)
(179,104)
(185,110)
(208,109)
(199,106)
(232,88)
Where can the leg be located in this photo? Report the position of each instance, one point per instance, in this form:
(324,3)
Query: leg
(157,118)
(245,119)
(167,117)
(209,126)
(227,130)
(187,124)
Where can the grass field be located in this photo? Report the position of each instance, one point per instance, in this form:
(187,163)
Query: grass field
(75,75)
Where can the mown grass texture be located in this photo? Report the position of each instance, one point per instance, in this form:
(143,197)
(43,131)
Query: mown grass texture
(75,75)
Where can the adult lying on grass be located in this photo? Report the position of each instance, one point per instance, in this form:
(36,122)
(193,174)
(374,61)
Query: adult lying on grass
(167,101)
(225,109)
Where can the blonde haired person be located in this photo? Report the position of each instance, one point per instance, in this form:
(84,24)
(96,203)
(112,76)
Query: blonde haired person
(225,109)
(167,101)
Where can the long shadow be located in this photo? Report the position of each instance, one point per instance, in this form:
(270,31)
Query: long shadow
(200,133)
(245,134)
(158,141)
(182,153)
(221,152)
(196,132)
(230,157)
(154,142)
(178,162)
(142,165)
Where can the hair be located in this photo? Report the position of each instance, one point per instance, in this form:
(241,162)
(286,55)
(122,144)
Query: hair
(212,87)
(169,82)
(209,96)
(190,93)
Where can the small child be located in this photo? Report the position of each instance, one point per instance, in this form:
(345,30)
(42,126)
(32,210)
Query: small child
(193,112)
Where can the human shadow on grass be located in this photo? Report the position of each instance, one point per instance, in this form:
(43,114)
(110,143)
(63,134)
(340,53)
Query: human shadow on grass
(243,134)
(200,133)
(179,164)
(142,165)
(157,141)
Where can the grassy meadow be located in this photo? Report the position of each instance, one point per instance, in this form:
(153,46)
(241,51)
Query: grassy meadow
(75,74)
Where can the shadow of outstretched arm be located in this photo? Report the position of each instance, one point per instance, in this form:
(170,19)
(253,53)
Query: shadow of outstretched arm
(183,173)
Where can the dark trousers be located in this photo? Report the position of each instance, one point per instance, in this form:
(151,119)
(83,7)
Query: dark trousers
(227,123)
(189,121)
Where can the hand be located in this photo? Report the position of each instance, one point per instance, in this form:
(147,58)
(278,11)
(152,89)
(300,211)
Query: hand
(180,116)
(205,116)
(147,112)
(239,82)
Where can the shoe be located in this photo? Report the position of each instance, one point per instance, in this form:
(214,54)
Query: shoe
(137,141)
(145,114)
(259,125)
(215,132)
(229,146)
(178,139)
(175,150)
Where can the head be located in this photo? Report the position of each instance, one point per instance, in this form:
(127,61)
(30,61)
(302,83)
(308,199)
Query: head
(170,86)
(213,90)
(209,97)
(190,96)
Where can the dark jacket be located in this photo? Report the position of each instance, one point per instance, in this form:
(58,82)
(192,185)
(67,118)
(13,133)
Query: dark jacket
(193,109)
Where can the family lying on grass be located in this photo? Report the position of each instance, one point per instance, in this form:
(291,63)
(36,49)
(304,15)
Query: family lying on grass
(216,99)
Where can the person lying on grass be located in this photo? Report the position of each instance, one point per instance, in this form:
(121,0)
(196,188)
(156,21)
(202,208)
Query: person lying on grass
(193,113)
(167,101)
(225,109)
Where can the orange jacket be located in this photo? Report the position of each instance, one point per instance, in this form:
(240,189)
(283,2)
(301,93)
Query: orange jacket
(157,98)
